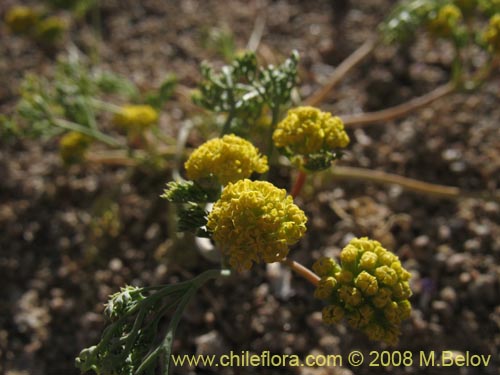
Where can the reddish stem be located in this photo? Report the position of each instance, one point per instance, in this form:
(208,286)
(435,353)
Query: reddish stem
(299,183)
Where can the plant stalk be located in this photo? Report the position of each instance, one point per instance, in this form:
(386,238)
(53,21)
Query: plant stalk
(302,271)
(399,110)
(299,183)
(341,71)
(388,178)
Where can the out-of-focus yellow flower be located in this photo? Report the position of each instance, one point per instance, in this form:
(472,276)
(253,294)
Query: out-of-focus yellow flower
(254,221)
(370,289)
(227,159)
(307,131)
(492,34)
(445,21)
(136,117)
(21,19)
(265,119)
(51,29)
(72,147)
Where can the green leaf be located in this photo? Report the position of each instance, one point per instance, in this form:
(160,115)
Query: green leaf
(163,94)
(189,191)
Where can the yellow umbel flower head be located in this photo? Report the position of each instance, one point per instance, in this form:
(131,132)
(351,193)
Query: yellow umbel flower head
(492,34)
(227,159)
(254,221)
(445,20)
(72,147)
(369,288)
(21,19)
(307,131)
(136,117)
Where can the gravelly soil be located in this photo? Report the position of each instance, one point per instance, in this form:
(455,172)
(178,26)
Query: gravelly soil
(60,259)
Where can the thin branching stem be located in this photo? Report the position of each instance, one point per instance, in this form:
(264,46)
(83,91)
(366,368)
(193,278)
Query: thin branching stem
(399,110)
(341,71)
(96,134)
(362,174)
(302,271)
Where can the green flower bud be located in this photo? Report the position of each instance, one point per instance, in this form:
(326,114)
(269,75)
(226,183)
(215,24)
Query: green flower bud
(371,290)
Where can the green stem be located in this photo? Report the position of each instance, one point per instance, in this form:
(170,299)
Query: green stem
(274,122)
(105,106)
(73,126)
(227,123)
(230,92)
(90,115)
(151,357)
(96,23)
(197,282)
(456,68)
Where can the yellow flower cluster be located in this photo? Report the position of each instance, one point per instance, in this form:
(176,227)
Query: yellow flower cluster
(227,159)
(369,288)
(492,34)
(307,130)
(72,147)
(445,21)
(51,29)
(137,117)
(254,221)
(21,19)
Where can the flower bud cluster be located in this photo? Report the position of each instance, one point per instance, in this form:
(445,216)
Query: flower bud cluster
(306,131)
(21,19)
(254,221)
(227,159)
(369,288)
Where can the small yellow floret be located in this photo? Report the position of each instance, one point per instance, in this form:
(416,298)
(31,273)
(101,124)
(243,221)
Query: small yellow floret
(386,275)
(350,295)
(325,266)
(332,314)
(366,283)
(307,130)
(72,147)
(138,117)
(21,19)
(325,287)
(348,255)
(254,221)
(368,260)
(228,159)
